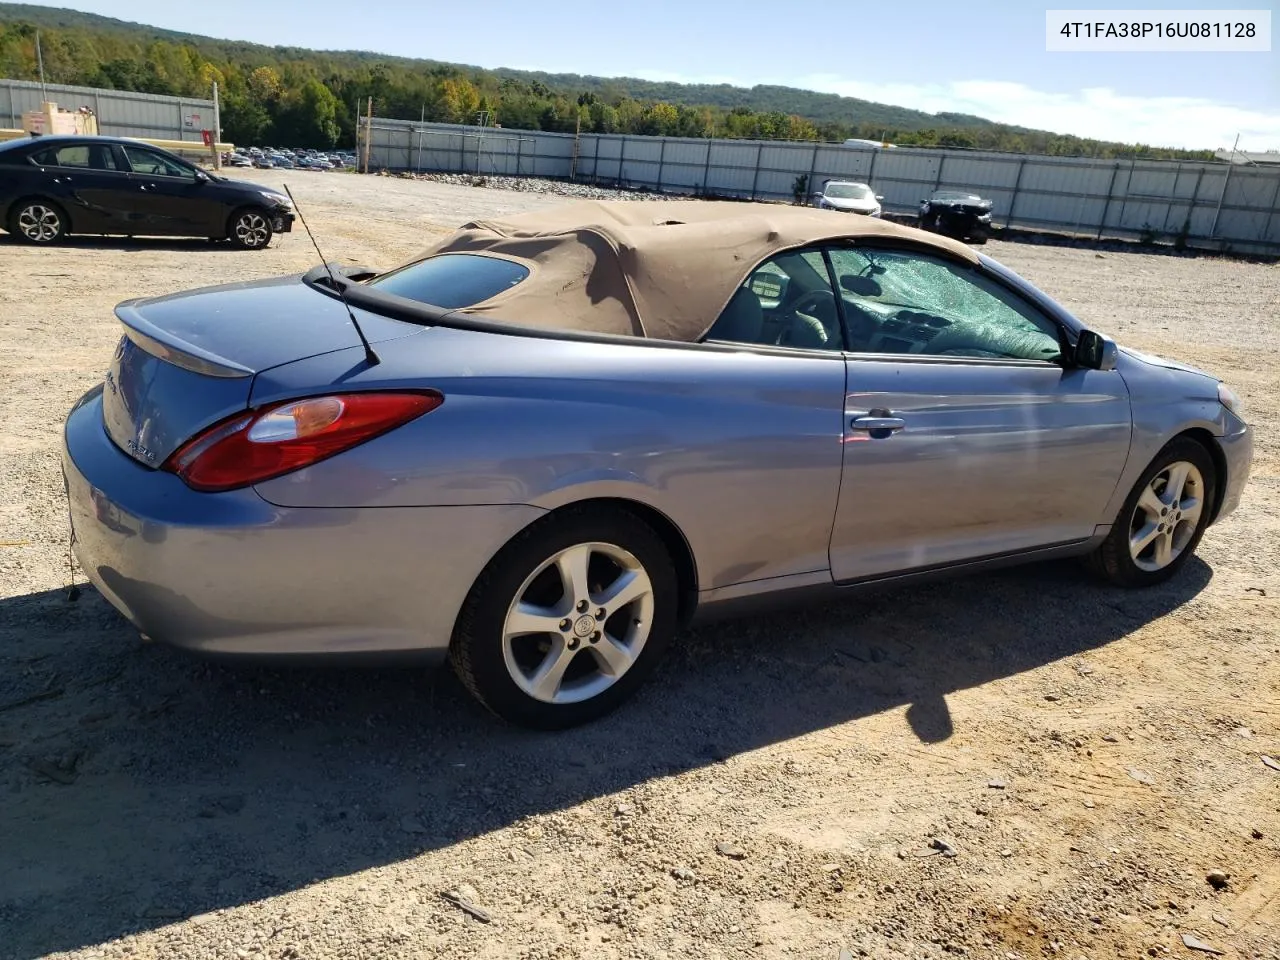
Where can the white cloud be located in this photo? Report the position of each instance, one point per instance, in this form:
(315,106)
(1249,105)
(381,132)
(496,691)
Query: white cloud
(1097,112)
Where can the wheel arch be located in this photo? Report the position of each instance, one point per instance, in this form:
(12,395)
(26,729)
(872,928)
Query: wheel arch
(673,538)
(11,211)
(1207,440)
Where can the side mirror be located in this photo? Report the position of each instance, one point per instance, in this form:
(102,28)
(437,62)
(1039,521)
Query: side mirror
(1095,351)
(201,177)
(879,197)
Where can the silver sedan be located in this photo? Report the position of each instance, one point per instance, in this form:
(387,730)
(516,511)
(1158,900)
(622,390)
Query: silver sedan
(547,443)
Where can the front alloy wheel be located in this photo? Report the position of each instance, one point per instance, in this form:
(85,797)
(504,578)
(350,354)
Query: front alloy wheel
(568,619)
(251,230)
(1163,518)
(39,222)
(1166,516)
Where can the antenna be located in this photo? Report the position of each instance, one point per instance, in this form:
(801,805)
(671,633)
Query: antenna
(372,358)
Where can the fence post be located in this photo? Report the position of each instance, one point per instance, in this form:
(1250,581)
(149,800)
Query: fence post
(755,179)
(706,167)
(622,158)
(813,168)
(662,159)
(1013,200)
(1275,198)
(519,153)
(1125,202)
(871,170)
(1226,182)
(1177,175)
(1102,222)
(937,182)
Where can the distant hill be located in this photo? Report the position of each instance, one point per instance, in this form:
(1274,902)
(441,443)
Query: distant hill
(291,96)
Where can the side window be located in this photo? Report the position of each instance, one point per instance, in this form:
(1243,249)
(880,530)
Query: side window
(787,301)
(142,160)
(77,156)
(905,302)
(104,158)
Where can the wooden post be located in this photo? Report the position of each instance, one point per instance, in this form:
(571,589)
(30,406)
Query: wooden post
(217,130)
(368,134)
(755,179)
(662,161)
(706,167)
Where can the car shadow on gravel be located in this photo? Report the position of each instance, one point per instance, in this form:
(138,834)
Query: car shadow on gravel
(132,244)
(141,785)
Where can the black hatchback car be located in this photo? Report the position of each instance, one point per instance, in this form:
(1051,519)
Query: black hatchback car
(957,214)
(52,186)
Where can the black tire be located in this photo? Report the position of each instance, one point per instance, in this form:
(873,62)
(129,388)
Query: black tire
(37,221)
(1113,559)
(249,228)
(479,652)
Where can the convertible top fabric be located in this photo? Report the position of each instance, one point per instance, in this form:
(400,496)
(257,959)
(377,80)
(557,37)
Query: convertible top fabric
(650,268)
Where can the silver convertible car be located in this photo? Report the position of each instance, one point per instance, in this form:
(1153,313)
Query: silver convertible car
(550,441)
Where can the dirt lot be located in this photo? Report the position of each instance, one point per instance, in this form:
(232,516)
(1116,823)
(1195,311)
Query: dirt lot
(1089,755)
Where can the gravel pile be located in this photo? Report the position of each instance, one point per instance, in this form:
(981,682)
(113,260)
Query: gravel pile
(541,185)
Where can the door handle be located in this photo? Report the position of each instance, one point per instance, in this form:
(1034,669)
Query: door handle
(878,427)
(879,422)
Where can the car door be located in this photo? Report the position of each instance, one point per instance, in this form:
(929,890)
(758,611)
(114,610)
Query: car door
(784,439)
(965,436)
(170,198)
(86,178)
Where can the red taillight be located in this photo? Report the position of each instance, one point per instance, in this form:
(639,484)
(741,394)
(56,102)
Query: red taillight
(256,446)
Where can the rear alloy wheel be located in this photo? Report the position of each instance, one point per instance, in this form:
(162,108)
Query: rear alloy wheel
(250,229)
(38,221)
(1162,520)
(568,619)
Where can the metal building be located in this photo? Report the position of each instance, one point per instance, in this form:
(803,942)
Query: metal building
(120,113)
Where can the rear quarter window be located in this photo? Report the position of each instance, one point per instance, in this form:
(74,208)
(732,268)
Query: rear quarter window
(452,280)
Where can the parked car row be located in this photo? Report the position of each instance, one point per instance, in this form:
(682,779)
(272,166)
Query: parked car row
(958,214)
(270,157)
(52,186)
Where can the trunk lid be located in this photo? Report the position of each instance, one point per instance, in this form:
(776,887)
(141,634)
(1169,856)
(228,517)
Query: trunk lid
(188,360)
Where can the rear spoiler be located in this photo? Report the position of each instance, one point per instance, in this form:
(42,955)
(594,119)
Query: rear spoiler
(169,348)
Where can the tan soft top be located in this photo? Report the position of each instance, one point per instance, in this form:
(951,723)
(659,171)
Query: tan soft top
(649,268)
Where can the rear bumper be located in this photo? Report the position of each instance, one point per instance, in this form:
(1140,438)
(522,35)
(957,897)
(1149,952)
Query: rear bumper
(1237,450)
(231,574)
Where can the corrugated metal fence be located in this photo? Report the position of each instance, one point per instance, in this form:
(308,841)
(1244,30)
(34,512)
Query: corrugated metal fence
(1212,205)
(120,113)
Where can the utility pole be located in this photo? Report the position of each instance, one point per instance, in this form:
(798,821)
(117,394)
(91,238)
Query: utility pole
(44,94)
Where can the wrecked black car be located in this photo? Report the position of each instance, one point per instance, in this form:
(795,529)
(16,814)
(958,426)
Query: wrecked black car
(957,214)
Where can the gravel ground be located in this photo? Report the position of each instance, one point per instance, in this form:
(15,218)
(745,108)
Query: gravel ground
(788,786)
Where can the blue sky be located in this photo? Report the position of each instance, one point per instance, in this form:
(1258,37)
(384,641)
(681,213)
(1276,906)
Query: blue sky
(977,57)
